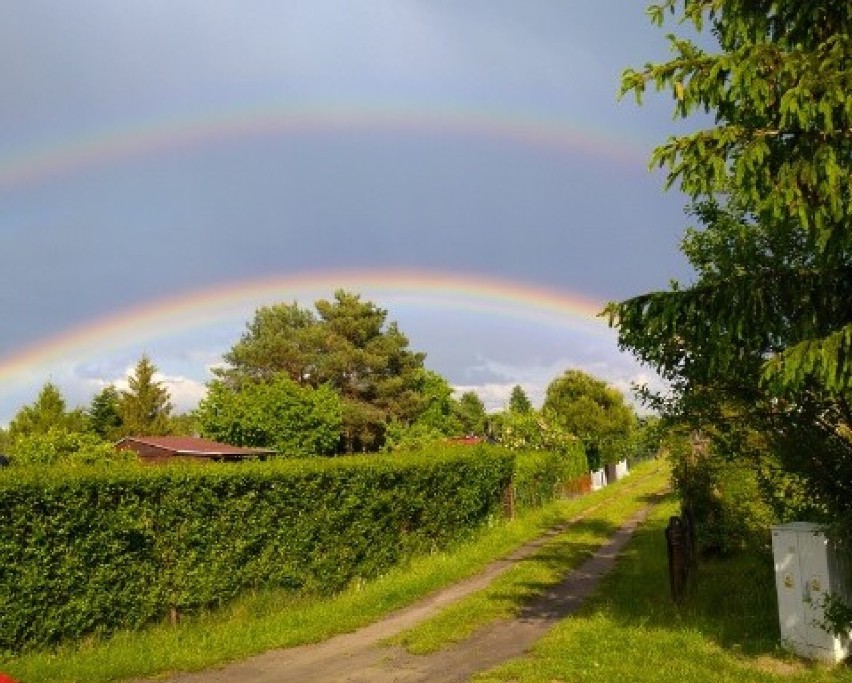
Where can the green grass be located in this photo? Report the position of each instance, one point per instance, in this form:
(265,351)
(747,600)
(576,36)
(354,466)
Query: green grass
(274,619)
(505,597)
(631,631)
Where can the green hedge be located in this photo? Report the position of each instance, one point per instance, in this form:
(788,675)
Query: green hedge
(92,551)
(540,476)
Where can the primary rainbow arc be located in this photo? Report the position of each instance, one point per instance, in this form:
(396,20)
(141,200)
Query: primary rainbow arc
(202,308)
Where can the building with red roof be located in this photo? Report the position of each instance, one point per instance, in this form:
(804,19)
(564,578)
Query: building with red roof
(161,449)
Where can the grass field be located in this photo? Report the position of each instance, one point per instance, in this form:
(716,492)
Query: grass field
(631,631)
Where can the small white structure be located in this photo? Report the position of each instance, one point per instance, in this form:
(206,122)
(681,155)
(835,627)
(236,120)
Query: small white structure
(598,479)
(621,469)
(807,569)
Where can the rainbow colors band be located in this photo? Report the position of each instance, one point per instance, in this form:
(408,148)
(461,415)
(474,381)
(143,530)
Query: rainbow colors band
(113,145)
(199,309)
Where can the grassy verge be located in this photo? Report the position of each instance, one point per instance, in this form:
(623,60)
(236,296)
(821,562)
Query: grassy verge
(631,631)
(505,596)
(274,619)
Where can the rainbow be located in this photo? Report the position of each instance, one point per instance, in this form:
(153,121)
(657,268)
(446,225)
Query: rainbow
(38,163)
(237,301)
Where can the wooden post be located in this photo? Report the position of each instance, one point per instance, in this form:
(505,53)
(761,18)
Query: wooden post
(676,543)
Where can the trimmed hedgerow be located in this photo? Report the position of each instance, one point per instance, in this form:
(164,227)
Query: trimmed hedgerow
(541,476)
(88,552)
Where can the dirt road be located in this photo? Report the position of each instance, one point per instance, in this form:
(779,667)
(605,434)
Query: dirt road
(359,657)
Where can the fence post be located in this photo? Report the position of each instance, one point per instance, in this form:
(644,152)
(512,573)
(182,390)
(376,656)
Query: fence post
(677,545)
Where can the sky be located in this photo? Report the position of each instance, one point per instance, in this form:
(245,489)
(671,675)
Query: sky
(167,167)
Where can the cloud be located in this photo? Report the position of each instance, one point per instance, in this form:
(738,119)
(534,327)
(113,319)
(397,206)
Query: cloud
(184,392)
(80,382)
(619,371)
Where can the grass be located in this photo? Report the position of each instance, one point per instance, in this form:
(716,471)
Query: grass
(505,597)
(274,619)
(631,630)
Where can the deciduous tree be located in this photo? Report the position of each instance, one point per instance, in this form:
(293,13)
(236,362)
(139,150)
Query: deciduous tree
(594,412)
(470,412)
(763,338)
(280,414)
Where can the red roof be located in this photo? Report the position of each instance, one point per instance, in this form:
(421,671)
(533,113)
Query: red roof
(191,445)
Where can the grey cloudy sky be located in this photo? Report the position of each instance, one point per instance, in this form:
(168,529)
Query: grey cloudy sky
(144,154)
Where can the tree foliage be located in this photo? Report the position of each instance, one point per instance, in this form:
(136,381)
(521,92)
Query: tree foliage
(280,414)
(470,413)
(144,407)
(593,412)
(61,447)
(346,344)
(437,417)
(103,415)
(519,402)
(49,411)
(762,340)
(532,431)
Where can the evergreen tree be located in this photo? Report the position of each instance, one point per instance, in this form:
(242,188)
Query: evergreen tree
(103,415)
(519,402)
(48,412)
(144,408)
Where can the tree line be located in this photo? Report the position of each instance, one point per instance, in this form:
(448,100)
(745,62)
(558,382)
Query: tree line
(338,378)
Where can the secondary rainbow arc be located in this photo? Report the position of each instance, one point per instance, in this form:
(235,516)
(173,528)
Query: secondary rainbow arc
(110,145)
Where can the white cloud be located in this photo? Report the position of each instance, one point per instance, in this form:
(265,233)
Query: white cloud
(184,392)
(621,372)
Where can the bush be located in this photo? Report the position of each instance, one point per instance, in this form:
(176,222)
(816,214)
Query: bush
(724,496)
(61,447)
(541,476)
(90,551)
(294,420)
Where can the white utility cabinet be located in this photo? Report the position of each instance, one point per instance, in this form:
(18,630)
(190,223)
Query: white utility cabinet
(808,567)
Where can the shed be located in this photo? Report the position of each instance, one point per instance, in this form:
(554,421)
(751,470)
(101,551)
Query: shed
(160,449)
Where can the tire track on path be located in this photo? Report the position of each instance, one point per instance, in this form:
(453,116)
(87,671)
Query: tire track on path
(360,657)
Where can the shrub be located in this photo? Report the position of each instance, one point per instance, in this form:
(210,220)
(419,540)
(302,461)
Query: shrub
(92,550)
(541,476)
(723,495)
(60,447)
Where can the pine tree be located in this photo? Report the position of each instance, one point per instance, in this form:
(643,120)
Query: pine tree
(144,407)
(519,402)
(103,415)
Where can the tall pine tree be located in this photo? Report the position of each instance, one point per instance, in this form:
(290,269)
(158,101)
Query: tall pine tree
(144,407)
